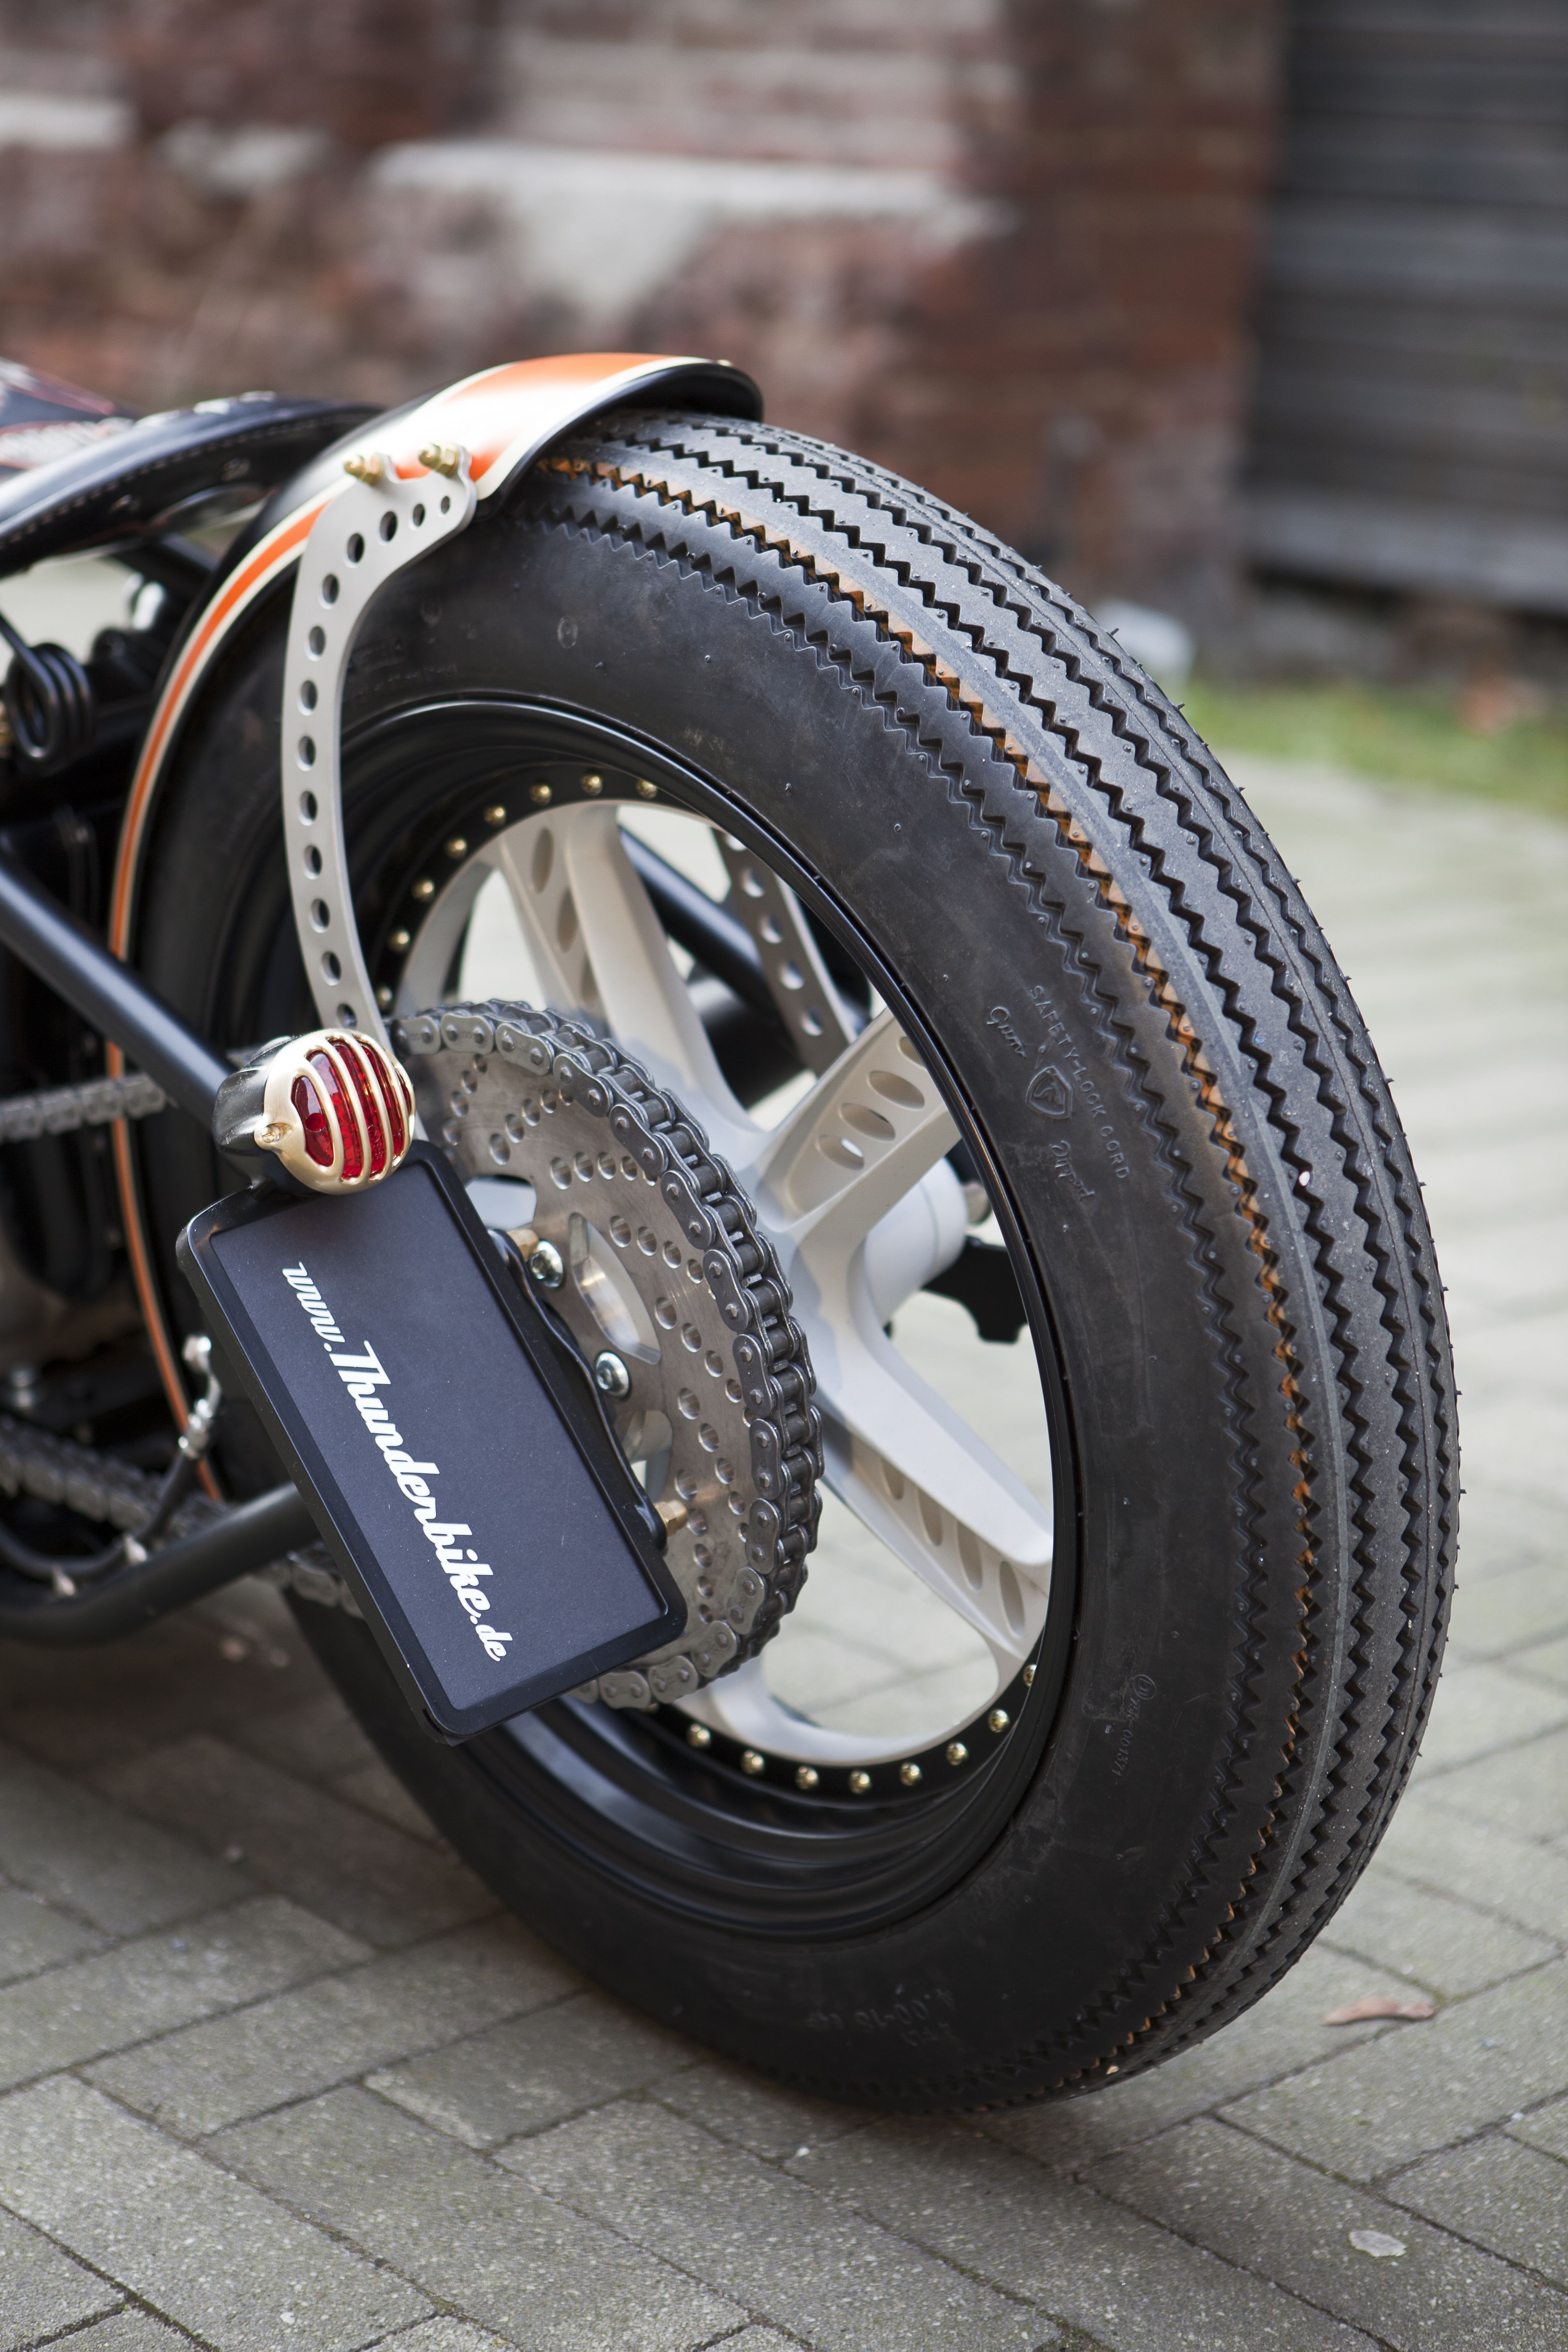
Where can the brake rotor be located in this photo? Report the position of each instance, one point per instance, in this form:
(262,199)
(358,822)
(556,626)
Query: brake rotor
(644,1244)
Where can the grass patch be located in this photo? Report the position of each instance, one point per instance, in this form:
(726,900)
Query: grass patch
(1406,732)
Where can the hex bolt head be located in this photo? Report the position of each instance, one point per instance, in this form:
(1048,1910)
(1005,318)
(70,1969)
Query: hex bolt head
(611,1376)
(546,1267)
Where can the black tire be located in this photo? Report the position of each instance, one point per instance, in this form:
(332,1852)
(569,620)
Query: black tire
(1211,1210)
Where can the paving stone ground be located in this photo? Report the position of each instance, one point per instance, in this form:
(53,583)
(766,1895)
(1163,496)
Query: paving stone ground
(275,2073)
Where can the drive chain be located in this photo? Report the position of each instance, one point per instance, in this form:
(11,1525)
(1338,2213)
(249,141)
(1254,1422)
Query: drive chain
(660,1144)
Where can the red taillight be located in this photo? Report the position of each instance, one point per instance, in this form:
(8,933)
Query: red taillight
(313,1120)
(340,1111)
(369,1100)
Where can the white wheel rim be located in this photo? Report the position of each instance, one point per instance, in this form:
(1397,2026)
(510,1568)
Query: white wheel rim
(846,1185)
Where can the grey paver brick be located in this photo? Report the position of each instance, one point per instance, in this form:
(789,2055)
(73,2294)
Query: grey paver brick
(370,1878)
(1502,1525)
(759,2339)
(1422,2088)
(315,1740)
(1501,2194)
(209,2075)
(1430,1845)
(1522,1788)
(210,2252)
(41,2290)
(33,1935)
(144,1987)
(123,1874)
(764,2118)
(1284,2032)
(1270,2215)
(1496,1615)
(1124,2283)
(376,1791)
(817,2269)
(1445,1946)
(128,2331)
(1480,1709)
(447,2335)
(532,2071)
(1547,1661)
(1545,2127)
(476,2236)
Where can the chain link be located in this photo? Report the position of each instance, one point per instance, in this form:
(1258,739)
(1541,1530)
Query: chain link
(61,1110)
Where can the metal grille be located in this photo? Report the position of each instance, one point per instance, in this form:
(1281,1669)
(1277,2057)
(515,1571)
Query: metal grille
(1412,418)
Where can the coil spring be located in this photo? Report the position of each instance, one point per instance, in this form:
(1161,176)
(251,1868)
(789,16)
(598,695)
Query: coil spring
(50,704)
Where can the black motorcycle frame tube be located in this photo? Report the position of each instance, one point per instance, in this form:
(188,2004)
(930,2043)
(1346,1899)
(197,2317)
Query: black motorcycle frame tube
(247,1537)
(62,951)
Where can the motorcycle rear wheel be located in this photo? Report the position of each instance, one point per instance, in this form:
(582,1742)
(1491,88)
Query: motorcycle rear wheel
(1008,836)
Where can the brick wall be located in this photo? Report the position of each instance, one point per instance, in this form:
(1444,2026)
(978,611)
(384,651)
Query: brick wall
(1006,245)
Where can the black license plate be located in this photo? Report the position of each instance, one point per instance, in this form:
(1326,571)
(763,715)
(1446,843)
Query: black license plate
(500,1553)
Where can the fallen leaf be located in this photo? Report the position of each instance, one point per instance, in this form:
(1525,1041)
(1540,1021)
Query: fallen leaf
(1376,2242)
(1379,2005)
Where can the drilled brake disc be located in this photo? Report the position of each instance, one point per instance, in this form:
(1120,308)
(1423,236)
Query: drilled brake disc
(653,1253)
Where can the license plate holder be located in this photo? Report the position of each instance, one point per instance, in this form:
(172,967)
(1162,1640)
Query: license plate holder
(501,1551)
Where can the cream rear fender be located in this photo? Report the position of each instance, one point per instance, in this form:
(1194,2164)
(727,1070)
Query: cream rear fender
(495,424)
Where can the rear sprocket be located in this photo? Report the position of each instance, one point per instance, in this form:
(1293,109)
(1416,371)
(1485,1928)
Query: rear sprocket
(651,1251)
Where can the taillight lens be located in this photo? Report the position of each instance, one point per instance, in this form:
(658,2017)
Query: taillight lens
(369,1095)
(313,1120)
(339,1110)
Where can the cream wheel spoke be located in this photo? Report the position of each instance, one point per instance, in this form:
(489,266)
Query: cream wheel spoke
(850,1151)
(601,950)
(919,1478)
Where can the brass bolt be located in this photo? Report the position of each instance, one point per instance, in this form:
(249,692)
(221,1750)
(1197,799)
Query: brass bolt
(859,1782)
(365,468)
(648,792)
(674,1515)
(909,1775)
(593,786)
(957,1753)
(806,1776)
(425,889)
(539,792)
(273,1134)
(383,997)
(441,457)
(752,1763)
(400,941)
(698,1736)
(495,815)
(1028,1676)
(997,1719)
(457,846)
